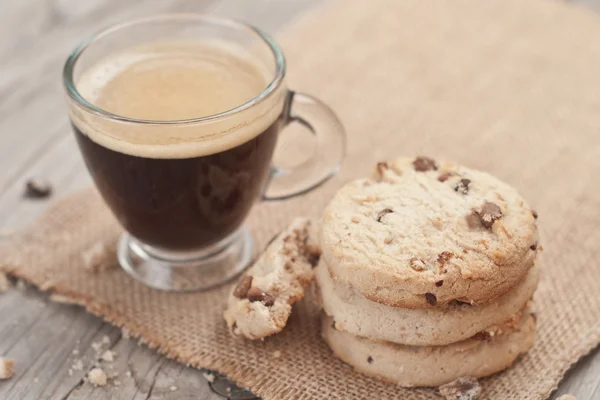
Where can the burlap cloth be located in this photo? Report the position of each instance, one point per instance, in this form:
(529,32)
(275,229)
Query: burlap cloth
(512,87)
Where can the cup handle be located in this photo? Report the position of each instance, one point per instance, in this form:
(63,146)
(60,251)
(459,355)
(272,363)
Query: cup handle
(327,157)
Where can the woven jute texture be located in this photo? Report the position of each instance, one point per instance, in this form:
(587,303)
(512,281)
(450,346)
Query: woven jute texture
(507,86)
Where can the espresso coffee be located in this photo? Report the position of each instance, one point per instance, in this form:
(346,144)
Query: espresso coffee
(178,186)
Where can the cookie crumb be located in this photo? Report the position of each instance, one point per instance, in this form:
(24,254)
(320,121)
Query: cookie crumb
(97,346)
(463,388)
(4,283)
(117,382)
(70,372)
(77,366)
(128,373)
(567,397)
(36,380)
(6,367)
(173,388)
(75,352)
(97,377)
(228,389)
(209,377)
(108,356)
(277,354)
(125,334)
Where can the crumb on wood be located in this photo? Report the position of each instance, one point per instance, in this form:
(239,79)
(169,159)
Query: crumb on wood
(128,374)
(4,283)
(105,339)
(173,388)
(21,285)
(97,346)
(567,397)
(77,365)
(75,352)
(97,377)
(209,377)
(125,334)
(70,372)
(6,367)
(108,356)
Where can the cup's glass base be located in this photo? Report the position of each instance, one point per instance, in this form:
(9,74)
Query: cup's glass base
(186,271)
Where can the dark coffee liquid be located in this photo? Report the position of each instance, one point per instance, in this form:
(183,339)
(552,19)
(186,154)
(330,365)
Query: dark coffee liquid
(194,193)
(181,203)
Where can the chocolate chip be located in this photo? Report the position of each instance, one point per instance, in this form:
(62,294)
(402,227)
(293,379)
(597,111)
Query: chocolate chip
(268,300)
(313,259)
(37,189)
(439,283)
(255,294)
(535,214)
(383,213)
(533,247)
(370,360)
(444,256)
(462,186)
(489,214)
(423,164)
(483,336)
(444,176)
(242,288)
(473,220)
(431,299)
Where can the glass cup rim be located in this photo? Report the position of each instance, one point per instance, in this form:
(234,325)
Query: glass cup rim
(272,86)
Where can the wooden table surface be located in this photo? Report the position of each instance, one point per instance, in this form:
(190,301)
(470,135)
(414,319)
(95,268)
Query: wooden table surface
(46,338)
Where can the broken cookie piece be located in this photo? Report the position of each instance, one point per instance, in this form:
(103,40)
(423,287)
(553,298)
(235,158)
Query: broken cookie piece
(260,303)
(6,368)
(463,388)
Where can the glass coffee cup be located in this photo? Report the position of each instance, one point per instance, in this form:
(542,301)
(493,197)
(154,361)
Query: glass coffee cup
(177,118)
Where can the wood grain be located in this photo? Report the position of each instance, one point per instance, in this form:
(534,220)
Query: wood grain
(35,37)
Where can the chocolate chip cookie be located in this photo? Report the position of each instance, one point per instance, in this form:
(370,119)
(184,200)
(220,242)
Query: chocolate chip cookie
(261,302)
(421,232)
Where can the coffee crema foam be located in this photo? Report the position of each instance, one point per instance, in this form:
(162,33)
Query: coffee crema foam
(171,82)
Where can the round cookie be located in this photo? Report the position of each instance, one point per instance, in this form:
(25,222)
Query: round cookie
(420,233)
(411,366)
(432,326)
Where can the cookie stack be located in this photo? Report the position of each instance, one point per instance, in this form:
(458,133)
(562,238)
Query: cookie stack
(427,272)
